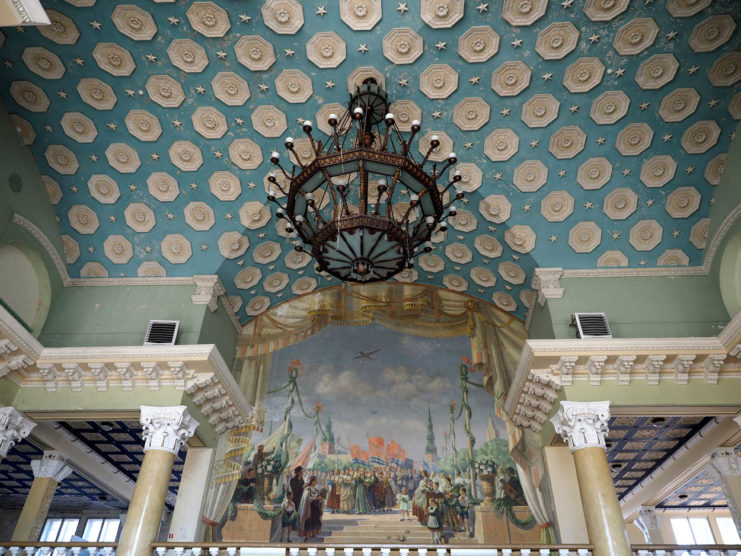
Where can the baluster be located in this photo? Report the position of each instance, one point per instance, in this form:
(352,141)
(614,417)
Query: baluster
(293,551)
(677,552)
(659,552)
(366,551)
(3,550)
(714,552)
(108,550)
(544,552)
(15,550)
(385,552)
(160,550)
(44,550)
(582,552)
(348,551)
(403,552)
(329,551)
(231,550)
(213,550)
(506,552)
(76,550)
(311,551)
(563,552)
(643,553)
(441,552)
(30,550)
(524,552)
(92,550)
(422,552)
(179,550)
(59,551)
(196,551)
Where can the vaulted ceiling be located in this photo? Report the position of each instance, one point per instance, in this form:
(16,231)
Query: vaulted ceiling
(589,134)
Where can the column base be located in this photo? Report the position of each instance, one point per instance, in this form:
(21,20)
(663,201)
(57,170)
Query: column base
(249,526)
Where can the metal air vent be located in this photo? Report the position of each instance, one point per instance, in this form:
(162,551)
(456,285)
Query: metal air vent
(161,332)
(591,325)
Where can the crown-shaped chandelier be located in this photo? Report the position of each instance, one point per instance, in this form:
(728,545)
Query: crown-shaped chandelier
(364,207)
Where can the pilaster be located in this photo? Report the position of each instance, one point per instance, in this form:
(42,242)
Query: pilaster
(649,522)
(726,466)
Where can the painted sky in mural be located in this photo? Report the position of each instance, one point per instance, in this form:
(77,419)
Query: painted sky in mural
(386,394)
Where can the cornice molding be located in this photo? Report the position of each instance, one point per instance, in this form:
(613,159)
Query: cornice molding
(40,236)
(30,12)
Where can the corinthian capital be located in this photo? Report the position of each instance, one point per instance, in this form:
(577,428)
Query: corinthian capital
(166,428)
(582,424)
(14,427)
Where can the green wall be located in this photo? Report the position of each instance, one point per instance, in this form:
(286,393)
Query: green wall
(217,328)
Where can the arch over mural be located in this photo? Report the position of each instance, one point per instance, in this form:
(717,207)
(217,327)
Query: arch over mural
(25,287)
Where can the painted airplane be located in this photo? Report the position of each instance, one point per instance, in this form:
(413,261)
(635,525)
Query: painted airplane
(367,354)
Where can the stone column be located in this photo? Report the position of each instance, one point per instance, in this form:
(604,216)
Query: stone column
(584,425)
(726,466)
(165,431)
(649,522)
(14,427)
(48,472)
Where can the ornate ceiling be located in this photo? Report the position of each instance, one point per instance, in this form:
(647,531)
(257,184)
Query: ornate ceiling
(589,134)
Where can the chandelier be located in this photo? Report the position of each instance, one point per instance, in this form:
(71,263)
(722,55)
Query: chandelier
(363,207)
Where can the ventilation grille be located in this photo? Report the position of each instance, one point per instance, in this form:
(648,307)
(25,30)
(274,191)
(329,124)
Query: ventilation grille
(592,325)
(161,332)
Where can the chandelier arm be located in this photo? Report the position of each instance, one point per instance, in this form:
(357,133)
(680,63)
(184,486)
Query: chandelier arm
(292,151)
(330,186)
(392,187)
(363,193)
(427,156)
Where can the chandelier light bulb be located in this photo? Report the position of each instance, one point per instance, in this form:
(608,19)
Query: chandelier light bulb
(307,126)
(452,158)
(389,119)
(333,120)
(309,196)
(415,124)
(299,218)
(289,142)
(357,113)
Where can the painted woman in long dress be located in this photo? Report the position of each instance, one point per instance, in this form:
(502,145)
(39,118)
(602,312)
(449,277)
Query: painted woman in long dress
(310,510)
(347,492)
(419,502)
(361,500)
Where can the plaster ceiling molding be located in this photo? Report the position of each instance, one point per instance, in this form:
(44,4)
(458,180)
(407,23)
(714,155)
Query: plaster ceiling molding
(464,221)
(726,70)
(285,17)
(134,22)
(401,109)
(583,75)
(29,96)
(471,113)
(686,8)
(657,71)
(700,136)
(71,249)
(683,202)
(635,36)
(266,252)
(430,262)
(441,14)
(308,284)
(673,257)
(658,170)
(715,168)
(268,121)
(458,253)
(52,189)
(275,282)
(233,244)
(254,215)
(209,122)
(402,45)
(734,107)
(254,52)
(165,91)
(305,152)
(224,185)
(483,276)
(358,75)
(540,110)
(471,176)
(712,33)
(504,301)
(699,233)
(83,219)
(360,15)
(326,50)
(103,188)
(208,19)
(187,55)
(282,181)
(122,157)
(296,259)
(511,272)
(585,237)
(62,29)
(520,238)
(501,145)
(679,104)
(257,305)
(488,246)
(455,282)
(176,248)
(645,235)
(634,138)
(439,236)
(24,129)
(163,187)
(186,156)
(151,269)
(93,270)
(557,40)
(523,12)
(248,277)
(79,127)
(280,229)
(438,81)
(605,10)
(118,249)
(43,63)
(114,59)
(511,78)
(557,206)
(530,176)
(61,159)
(139,217)
(612,258)
(478,44)
(143,125)
(609,107)
(199,216)
(620,203)
(406,275)
(96,93)
(495,208)
(293,86)
(567,142)
(441,152)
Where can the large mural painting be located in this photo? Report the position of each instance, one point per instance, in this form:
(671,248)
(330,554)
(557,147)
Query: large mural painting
(377,436)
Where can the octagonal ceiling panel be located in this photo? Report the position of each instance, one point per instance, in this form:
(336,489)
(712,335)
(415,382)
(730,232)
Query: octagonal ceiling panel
(633,126)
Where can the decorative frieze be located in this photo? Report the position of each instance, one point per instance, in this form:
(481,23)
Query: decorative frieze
(682,365)
(595,365)
(624,366)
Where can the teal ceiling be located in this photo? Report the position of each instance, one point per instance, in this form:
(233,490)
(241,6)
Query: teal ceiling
(599,127)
